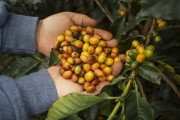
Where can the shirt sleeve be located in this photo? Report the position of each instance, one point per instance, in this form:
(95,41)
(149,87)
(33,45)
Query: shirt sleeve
(26,96)
(17,32)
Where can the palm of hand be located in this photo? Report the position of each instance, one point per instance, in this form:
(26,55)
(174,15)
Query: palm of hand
(51,27)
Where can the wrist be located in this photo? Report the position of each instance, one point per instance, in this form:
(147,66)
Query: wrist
(38,28)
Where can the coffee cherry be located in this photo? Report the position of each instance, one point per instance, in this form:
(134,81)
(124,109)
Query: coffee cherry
(109,61)
(77,69)
(110,78)
(86,38)
(123,12)
(67,74)
(74,28)
(89,76)
(90,88)
(74,54)
(91,49)
(157,39)
(102,43)
(74,78)
(76,34)
(69,38)
(60,38)
(84,58)
(107,70)
(98,73)
(98,50)
(68,33)
(150,47)
(81,80)
(101,79)
(77,60)
(95,82)
(89,30)
(115,50)
(85,47)
(86,67)
(94,40)
(101,59)
(70,60)
(134,64)
(91,59)
(148,53)
(66,65)
(135,43)
(140,58)
(78,44)
(95,65)
(117,59)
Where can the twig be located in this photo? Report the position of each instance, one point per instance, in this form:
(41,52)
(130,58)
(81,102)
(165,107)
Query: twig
(171,27)
(172,85)
(141,88)
(123,95)
(104,11)
(150,32)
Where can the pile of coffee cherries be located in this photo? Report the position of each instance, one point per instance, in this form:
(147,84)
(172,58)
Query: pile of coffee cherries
(85,57)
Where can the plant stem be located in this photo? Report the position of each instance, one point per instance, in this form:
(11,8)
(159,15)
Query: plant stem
(118,104)
(172,85)
(104,11)
(140,88)
(116,108)
(150,32)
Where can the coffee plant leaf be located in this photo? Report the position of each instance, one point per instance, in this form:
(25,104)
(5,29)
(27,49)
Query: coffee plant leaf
(150,73)
(71,104)
(53,59)
(165,9)
(137,108)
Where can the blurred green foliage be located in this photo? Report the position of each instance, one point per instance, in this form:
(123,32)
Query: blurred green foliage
(135,25)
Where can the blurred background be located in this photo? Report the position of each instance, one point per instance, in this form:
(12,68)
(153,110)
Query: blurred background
(106,12)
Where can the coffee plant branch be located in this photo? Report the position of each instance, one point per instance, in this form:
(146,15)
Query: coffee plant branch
(104,11)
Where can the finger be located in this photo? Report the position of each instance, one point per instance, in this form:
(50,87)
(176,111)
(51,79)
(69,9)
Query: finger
(117,68)
(112,43)
(82,20)
(104,34)
(122,56)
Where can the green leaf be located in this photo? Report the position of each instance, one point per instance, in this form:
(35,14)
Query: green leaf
(118,28)
(136,108)
(73,117)
(128,1)
(73,103)
(132,23)
(90,113)
(22,66)
(117,79)
(53,58)
(162,108)
(150,73)
(167,66)
(166,9)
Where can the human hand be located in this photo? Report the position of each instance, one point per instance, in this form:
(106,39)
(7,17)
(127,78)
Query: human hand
(49,28)
(64,86)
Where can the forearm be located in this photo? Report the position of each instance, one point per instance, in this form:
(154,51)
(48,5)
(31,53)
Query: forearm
(17,32)
(26,96)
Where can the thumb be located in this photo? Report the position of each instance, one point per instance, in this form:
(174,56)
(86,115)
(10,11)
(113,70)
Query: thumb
(80,19)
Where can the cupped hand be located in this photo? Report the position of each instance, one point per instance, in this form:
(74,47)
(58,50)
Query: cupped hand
(66,86)
(49,28)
